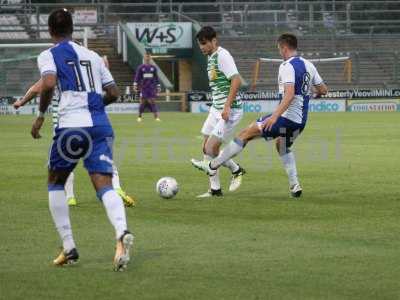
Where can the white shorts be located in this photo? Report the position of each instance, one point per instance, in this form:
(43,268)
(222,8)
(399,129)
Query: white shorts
(215,125)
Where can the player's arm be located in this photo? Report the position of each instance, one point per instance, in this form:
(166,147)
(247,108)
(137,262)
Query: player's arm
(137,79)
(288,96)
(48,71)
(157,80)
(49,81)
(33,92)
(106,63)
(227,65)
(288,80)
(111,90)
(236,82)
(319,90)
(318,84)
(112,94)
(48,84)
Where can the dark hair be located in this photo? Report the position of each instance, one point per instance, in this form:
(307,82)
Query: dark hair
(207,33)
(288,39)
(60,23)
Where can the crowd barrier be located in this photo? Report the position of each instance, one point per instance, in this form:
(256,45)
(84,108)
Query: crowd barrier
(257,102)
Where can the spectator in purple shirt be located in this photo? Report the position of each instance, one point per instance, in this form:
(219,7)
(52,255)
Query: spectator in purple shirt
(146,81)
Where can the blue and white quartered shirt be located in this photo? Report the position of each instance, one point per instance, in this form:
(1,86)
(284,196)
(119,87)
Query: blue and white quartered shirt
(303,74)
(81,75)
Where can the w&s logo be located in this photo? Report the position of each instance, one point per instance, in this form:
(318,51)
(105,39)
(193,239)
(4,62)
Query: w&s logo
(156,34)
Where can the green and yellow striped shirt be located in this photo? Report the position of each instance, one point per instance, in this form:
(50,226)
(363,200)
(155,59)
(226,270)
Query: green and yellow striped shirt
(221,68)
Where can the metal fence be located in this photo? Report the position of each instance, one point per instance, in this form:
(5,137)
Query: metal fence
(346,22)
(232,17)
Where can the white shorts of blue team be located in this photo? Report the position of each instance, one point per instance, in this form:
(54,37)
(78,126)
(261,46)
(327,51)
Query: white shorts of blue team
(215,125)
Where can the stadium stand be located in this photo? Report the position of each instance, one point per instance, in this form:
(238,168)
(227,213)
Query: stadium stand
(373,62)
(20,73)
(367,32)
(121,71)
(43,34)
(14,28)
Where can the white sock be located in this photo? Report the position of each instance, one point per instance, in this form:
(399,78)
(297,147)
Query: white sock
(115,210)
(231,165)
(215,183)
(69,186)
(60,213)
(289,163)
(232,149)
(115,178)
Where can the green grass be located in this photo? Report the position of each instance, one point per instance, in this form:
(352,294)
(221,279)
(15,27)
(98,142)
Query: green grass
(339,241)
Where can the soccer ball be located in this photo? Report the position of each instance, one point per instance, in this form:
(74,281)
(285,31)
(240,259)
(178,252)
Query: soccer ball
(167,187)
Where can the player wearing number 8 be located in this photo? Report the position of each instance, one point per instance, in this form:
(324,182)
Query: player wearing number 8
(297,79)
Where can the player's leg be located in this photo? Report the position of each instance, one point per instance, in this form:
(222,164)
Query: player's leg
(100,167)
(128,201)
(227,129)
(231,165)
(116,214)
(141,109)
(222,132)
(112,202)
(154,109)
(231,150)
(61,164)
(210,147)
(236,145)
(285,131)
(283,144)
(60,214)
(236,170)
(206,130)
(69,190)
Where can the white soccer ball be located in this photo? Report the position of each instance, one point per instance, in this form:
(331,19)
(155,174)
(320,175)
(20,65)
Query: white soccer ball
(167,187)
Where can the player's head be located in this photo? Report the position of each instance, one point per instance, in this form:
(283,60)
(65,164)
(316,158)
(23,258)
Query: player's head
(207,40)
(287,44)
(147,57)
(60,23)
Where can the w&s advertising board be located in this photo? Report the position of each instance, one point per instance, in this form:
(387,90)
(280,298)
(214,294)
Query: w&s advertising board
(164,38)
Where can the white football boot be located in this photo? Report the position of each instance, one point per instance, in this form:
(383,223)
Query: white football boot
(122,257)
(236,179)
(211,193)
(203,165)
(295,190)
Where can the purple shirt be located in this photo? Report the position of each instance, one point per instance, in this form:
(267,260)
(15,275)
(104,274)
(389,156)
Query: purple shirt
(146,79)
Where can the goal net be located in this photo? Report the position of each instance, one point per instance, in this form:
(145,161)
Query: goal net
(335,70)
(18,67)
(18,63)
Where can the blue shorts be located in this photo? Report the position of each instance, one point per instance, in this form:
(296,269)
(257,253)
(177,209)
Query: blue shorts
(282,128)
(91,144)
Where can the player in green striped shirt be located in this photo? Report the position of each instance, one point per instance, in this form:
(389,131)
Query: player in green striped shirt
(226,110)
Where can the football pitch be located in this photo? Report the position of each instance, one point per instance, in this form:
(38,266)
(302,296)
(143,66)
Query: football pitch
(340,240)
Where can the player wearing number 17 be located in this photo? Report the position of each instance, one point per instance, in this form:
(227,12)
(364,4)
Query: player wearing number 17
(83,132)
(298,79)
